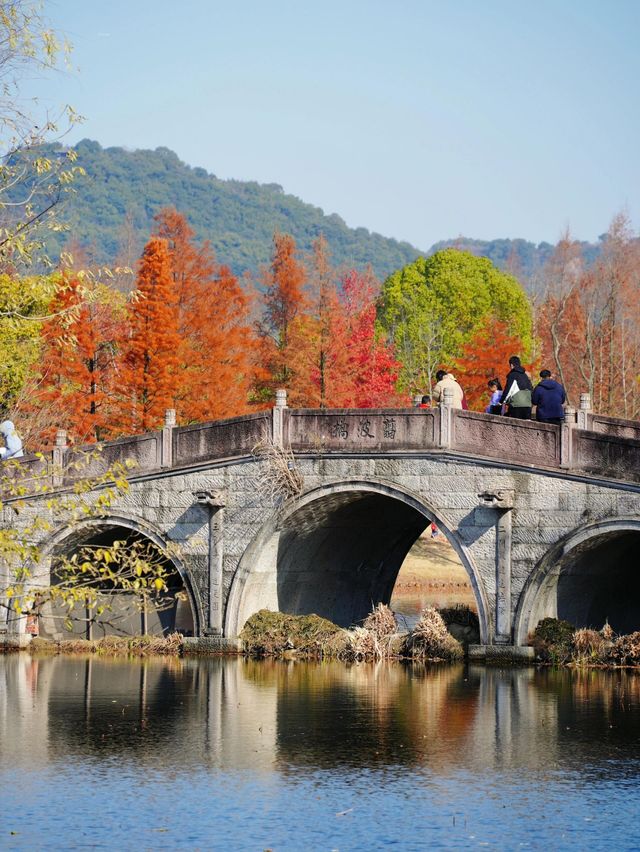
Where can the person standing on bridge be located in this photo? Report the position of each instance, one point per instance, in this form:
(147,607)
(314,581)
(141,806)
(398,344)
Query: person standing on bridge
(446,380)
(495,389)
(549,396)
(517,391)
(12,442)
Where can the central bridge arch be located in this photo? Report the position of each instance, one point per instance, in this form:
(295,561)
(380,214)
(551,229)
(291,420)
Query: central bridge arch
(336,551)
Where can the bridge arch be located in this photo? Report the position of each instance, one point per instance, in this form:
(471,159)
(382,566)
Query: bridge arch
(336,550)
(71,536)
(587,578)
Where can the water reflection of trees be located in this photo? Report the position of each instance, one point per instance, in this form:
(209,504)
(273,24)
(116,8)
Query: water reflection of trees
(369,714)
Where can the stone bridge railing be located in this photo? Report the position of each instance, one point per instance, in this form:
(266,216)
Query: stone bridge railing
(586,443)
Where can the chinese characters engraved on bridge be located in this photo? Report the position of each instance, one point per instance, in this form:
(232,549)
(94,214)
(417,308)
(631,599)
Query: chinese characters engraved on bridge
(339,429)
(364,428)
(389,426)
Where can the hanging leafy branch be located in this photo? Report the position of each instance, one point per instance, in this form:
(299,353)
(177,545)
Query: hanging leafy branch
(75,583)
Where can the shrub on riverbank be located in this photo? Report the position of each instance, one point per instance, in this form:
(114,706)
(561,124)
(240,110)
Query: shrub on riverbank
(552,640)
(276,634)
(556,641)
(269,633)
(462,623)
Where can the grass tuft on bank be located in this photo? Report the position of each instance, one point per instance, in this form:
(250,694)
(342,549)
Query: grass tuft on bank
(112,646)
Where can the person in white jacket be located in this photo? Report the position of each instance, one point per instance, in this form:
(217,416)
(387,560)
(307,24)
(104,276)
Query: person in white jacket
(446,380)
(12,442)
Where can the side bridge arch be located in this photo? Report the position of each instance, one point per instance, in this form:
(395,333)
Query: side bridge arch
(68,538)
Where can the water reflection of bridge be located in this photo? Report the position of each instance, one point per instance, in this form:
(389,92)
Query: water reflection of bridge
(282,717)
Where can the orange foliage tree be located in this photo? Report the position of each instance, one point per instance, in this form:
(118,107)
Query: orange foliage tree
(213,370)
(284,304)
(152,358)
(79,371)
(589,322)
(486,356)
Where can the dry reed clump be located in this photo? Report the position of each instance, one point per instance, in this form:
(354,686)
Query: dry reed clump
(589,646)
(625,650)
(269,633)
(381,622)
(362,644)
(430,639)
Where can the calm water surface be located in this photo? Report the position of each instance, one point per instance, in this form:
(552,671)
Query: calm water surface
(233,754)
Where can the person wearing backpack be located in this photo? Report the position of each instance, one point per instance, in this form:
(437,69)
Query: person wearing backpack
(517,391)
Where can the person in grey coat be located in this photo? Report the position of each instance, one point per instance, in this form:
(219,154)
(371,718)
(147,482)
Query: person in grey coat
(12,442)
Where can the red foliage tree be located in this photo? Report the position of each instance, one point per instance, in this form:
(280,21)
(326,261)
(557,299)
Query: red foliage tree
(370,372)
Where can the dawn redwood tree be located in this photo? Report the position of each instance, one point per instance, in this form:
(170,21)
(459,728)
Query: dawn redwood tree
(563,323)
(215,338)
(590,321)
(153,351)
(486,356)
(284,302)
(75,387)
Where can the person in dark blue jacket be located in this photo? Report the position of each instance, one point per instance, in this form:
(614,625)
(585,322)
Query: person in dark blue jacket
(549,397)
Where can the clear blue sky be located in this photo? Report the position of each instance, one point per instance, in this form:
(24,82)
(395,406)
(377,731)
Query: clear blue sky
(419,120)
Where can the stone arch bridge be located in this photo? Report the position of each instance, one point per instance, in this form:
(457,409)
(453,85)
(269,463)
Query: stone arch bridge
(545,519)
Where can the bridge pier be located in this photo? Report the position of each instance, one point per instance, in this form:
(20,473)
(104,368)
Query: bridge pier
(214,502)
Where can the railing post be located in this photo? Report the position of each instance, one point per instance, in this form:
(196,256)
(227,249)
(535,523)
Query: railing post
(585,411)
(566,437)
(278,417)
(166,450)
(446,418)
(57,458)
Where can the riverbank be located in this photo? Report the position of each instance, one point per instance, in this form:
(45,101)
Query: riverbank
(277,635)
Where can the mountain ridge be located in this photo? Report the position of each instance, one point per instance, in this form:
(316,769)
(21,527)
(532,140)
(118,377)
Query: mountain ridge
(238,217)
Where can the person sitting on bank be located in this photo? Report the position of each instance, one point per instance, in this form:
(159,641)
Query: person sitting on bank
(425,402)
(12,443)
(517,391)
(549,397)
(446,380)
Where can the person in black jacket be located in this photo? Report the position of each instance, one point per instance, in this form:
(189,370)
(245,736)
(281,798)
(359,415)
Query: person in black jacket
(517,391)
(549,397)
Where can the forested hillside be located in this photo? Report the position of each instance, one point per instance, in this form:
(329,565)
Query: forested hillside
(114,204)
(239,218)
